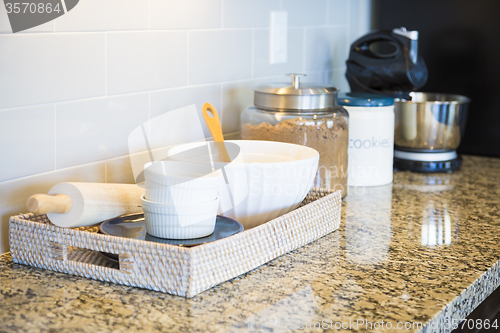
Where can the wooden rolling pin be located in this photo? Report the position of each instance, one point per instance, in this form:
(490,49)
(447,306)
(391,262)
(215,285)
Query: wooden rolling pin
(82,204)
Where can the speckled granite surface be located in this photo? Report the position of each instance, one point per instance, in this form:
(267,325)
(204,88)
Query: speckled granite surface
(422,250)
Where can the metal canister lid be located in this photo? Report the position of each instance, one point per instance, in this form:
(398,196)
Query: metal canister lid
(295,97)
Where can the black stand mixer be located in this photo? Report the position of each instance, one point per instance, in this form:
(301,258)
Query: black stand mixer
(428,126)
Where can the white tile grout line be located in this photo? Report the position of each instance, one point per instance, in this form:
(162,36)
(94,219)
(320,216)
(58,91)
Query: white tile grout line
(89,163)
(252,68)
(327,12)
(304,31)
(348,24)
(105,171)
(349,28)
(105,64)
(23,33)
(149,114)
(55,136)
(93,163)
(12,35)
(221,14)
(137,92)
(221,106)
(9,108)
(187,62)
(148,130)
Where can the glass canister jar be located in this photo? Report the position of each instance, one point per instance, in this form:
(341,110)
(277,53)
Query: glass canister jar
(305,115)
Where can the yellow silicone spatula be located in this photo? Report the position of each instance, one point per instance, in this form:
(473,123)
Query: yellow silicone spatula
(212,120)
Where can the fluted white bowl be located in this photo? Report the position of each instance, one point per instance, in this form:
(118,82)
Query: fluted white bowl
(266,180)
(179,221)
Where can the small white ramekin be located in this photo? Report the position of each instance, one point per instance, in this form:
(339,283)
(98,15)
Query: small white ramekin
(180,183)
(180,221)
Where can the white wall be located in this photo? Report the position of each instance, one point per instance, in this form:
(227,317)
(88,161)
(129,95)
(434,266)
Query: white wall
(72,89)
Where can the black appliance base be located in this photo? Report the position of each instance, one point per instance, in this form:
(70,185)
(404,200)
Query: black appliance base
(428,167)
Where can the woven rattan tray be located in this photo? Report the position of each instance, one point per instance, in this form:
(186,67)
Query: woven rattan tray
(167,268)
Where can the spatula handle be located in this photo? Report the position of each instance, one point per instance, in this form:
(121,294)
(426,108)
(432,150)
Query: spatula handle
(39,204)
(213,123)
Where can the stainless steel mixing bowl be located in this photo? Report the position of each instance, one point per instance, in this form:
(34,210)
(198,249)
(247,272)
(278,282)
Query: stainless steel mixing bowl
(430,121)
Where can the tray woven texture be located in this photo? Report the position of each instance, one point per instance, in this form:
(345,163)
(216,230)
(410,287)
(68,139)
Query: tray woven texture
(168,268)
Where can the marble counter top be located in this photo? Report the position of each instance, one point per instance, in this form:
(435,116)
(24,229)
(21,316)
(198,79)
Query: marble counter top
(422,250)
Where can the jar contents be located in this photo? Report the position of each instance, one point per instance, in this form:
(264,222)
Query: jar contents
(328,136)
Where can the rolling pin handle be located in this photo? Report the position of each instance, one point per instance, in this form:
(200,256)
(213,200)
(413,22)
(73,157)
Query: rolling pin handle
(40,204)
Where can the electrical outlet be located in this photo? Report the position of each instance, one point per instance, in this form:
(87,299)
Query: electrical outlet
(278,39)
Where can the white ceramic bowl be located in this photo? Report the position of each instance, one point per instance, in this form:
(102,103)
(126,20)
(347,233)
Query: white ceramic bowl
(180,221)
(180,182)
(266,180)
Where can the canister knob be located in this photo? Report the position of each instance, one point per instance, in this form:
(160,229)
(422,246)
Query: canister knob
(295,79)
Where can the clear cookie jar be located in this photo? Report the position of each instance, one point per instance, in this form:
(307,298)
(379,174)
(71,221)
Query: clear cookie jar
(306,115)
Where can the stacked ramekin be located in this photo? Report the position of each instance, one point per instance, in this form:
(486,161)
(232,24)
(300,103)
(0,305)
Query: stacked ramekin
(181,199)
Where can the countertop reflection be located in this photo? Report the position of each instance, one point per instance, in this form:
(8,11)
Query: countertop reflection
(420,250)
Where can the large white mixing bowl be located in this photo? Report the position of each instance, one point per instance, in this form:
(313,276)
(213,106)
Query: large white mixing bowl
(266,180)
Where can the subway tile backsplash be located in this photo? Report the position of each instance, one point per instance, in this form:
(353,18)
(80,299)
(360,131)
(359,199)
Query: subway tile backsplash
(27,147)
(71,90)
(43,68)
(310,13)
(338,14)
(186,14)
(171,99)
(98,127)
(212,55)
(145,60)
(330,45)
(109,15)
(248,14)
(295,53)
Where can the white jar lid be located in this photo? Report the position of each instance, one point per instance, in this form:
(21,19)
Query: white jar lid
(364,100)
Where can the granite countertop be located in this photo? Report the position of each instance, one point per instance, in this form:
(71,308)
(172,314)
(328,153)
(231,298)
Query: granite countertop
(424,249)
